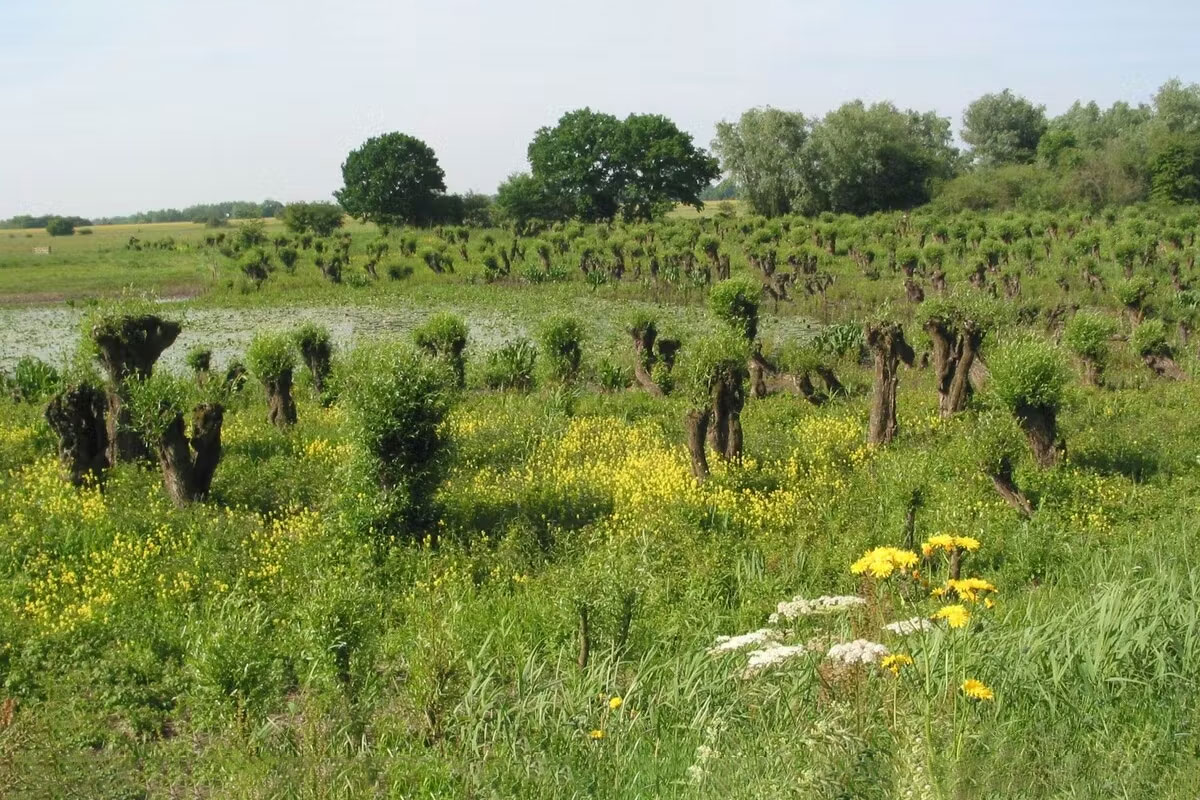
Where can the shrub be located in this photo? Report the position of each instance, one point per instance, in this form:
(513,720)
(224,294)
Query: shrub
(396,402)
(840,340)
(611,376)
(199,358)
(561,340)
(34,380)
(735,302)
(1150,339)
(288,256)
(444,336)
(316,349)
(270,355)
(511,366)
(60,226)
(1028,372)
(398,272)
(1087,334)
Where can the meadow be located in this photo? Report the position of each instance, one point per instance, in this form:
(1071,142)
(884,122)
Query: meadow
(552,600)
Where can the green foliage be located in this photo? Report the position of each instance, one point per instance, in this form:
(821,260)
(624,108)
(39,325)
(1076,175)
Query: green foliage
(319,219)
(396,401)
(735,302)
(1150,339)
(840,340)
(1028,371)
(198,358)
(60,226)
(1134,292)
(762,152)
(249,234)
(561,340)
(859,159)
(710,360)
(270,355)
(510,366)
(1003,128)
(444,336)
(595,166)
(33,380)
(393,179)
(996,442)
(1087,335)
(156,402)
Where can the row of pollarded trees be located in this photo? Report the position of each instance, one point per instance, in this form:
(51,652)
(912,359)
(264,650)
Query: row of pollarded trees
(396,398)
(133,413)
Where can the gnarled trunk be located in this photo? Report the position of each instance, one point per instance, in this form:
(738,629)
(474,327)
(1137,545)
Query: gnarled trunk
(832,384)
(1041,429)
(1164,367)
(187,476)
(889,347)
(281,408)
(316,358)
(954,354)
(643,362)
(804,385)
(759,368)
(129,350)
(697,431)
(207,420)
(1002,479)
(1093,372)
(76,415)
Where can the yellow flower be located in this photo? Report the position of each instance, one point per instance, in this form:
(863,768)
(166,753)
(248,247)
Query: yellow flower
(883,561)
(956,616)
(969,589)
(596,734)
(615,703)
(977,690)
(944,541)
(895,661)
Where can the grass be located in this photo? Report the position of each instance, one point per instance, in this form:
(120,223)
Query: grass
(261,644)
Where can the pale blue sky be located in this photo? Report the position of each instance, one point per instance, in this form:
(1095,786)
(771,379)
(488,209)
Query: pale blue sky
(114,107)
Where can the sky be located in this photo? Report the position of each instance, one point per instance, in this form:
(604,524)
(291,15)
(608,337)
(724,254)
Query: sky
(113,107)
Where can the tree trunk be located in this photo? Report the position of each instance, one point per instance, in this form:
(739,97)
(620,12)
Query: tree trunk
(718,428)
(832,384)
(960,385)
(697,431)
(129,350)
(176,461)
(76,415)
(1002,479)
(759,368)
(888,344)
(281,408)
(1041,429)
(1164,367)
(206,442)
(317,361)
(643,362)
(804,385)
(1093,372)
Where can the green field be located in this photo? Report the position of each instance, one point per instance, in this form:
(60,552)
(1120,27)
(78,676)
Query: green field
(541,619)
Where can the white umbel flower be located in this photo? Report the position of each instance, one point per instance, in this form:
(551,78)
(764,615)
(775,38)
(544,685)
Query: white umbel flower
(774,653)
(825,604)
(860,651)
(906,627)
(727,644)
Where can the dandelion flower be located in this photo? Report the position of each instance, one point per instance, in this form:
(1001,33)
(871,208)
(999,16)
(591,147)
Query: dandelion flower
(956,616)
(615,703)
(969,589)
(977,690)
(895,662)
(596,734)
(883,561)
(944,541)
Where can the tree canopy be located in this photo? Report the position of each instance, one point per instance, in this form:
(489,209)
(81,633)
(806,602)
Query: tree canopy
(392,179)
(593,166)
(321,219)
(1003,128)
(761,153)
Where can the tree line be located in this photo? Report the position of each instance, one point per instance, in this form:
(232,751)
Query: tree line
(861,158)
